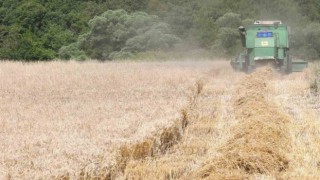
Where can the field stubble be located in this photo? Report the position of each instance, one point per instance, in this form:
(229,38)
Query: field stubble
(169,120)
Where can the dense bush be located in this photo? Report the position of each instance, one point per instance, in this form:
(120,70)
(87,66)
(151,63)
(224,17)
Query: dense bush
(117,34)
(72,51)
(228,33)
(37,29)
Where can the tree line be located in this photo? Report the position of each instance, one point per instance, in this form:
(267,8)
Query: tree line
(111,29)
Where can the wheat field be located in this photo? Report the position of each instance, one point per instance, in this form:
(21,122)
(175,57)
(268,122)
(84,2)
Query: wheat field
(156,120)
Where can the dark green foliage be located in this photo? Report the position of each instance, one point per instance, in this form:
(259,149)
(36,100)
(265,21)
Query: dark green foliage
(307,41)
(310,9)
(37,29)
(229,20)
(72,51)
(117,34)
(228,33)
(127,5)
(312,36)
(155,37)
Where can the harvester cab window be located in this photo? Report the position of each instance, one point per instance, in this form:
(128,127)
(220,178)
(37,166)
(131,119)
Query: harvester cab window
(264,34)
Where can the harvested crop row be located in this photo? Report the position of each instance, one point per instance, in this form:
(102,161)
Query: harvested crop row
(294,96)
(200,133)
(159,144)
(261,138)
(153,146)
(61,119)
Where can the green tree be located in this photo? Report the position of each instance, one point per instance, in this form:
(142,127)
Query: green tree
(310,9)
(72,51)
(228,33)
(37,29)
(128,5)
(117,34)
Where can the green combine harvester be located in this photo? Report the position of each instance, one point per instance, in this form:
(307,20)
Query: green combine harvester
(266,43)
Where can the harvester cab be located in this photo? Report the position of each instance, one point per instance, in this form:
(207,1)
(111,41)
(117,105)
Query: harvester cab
(266,42)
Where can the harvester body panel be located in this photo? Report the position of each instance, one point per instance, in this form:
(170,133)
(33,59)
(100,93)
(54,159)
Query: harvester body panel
(266,42)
